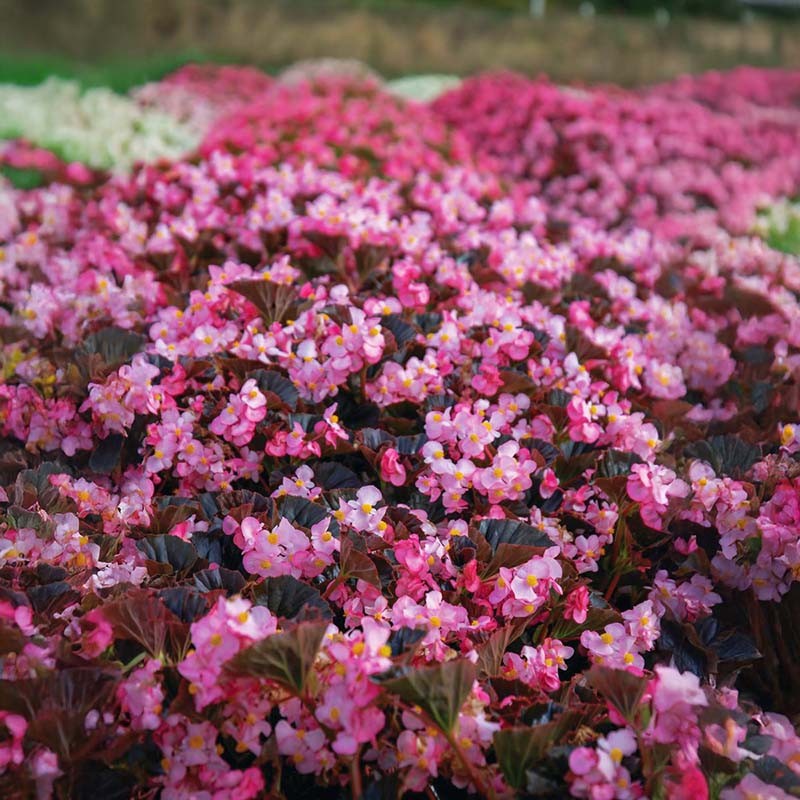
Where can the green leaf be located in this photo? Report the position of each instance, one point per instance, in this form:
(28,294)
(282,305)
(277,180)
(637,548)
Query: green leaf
(146,620)
(374,438)
(96,780)
(385,788)
(305,514)
(356,565)
(275,302)
(509,556)
(285,658)
(757,355)
(332,475)
(290,599)
(275,383)
(305,421)
(439,691)
(401,330)
(491,652)
(520,749)
(106,455)
(773,771)
(168,549)
(411,445)
(548,451)
(184,602)
(728,455)
(758,744)
(33,486)
(622,689)
(404,641)
(56,706)
(761,395)
(559,398)
(226,580)
(18,517)
(596,619)
(512,531)
(23,178)
(52,597)
(615,463)
(115,346)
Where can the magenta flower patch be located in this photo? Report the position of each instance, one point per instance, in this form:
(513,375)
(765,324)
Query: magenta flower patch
(379,449)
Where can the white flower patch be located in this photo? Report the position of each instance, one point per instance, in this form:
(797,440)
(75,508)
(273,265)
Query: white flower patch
(97,127)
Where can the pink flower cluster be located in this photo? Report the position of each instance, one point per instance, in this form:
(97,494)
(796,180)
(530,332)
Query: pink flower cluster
(684,158)
(379,447)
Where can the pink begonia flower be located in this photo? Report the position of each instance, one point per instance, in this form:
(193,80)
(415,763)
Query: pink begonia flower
(751,787)
(652,486)
(583,416)
(363,514)
(665,381)
(583,760)
(539,666)
(217,637)
(142,695)
(392,469)
(571,282)
(675,698)
(549,484)
(577,605)
(21,616)
(99,633)
(11,751)
(615,647)
(790,437)
(686,780)
(643,622)
(45,771)
(673,688)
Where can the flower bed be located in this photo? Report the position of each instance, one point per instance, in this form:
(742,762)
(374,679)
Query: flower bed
(103,129)
(336,462)
(680,159)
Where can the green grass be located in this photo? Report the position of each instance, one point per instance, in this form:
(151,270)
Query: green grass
(22,178)
(789,240)
(121,75)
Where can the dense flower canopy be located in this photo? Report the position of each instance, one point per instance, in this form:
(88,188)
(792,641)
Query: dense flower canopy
(377,446)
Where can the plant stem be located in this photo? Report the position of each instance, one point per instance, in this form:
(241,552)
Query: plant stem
(134,661)
(474,775)
(356,784)
(331,586)
(612,586)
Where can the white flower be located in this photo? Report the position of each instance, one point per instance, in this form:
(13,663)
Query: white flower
(97,127)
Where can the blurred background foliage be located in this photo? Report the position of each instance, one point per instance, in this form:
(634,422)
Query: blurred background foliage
(120,74)
(123,43)
(725,9)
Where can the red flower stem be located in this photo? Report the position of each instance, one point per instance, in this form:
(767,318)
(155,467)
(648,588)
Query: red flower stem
(474,775)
